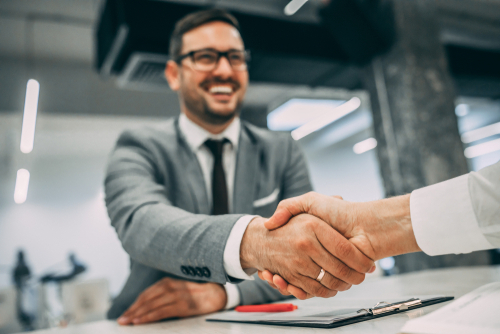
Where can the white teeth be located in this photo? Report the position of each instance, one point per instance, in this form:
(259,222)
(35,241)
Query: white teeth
(221,89)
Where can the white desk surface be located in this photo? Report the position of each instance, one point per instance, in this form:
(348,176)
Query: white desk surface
(450,282)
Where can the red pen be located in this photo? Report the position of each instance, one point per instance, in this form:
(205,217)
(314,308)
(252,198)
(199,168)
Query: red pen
(267,308)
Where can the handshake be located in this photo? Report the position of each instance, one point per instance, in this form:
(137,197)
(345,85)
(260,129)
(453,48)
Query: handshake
(315,245)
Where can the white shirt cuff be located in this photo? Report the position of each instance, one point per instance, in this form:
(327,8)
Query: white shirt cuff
(443,218)
(232,263)
(233,296)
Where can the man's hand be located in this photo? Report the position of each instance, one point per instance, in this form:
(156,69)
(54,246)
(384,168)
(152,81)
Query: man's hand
(296,252)
(171,298)
(378,229)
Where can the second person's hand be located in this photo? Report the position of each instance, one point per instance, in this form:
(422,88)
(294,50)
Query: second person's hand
(296,252)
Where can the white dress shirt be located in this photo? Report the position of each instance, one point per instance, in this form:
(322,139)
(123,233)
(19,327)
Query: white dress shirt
(196,137)
(460,215)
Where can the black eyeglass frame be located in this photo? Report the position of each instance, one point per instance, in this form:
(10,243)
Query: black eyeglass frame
(246,54)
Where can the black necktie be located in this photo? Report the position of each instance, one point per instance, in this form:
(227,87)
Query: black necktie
(219,187)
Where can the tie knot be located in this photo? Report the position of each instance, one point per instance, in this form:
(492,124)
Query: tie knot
(215,146)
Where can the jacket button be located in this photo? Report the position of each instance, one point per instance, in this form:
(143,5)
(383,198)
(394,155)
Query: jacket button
(199,271)
(184,270)
(206,272)
(191,271)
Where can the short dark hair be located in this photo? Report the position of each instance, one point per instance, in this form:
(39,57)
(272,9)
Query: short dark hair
(194,20)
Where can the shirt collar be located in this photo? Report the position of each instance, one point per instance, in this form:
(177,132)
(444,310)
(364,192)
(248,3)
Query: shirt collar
(196,135)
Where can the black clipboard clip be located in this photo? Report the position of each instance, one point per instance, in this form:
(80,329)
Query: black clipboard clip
(384,307)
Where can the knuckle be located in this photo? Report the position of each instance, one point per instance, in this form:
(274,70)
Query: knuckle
(335,284)
(300,244)
(345,249)
(344,271)
(311,223)
(342,286)
(303,244)
(316,290)
(323,292)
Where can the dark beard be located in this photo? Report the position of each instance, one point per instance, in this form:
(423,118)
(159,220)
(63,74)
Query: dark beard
(201,109)
(198,106)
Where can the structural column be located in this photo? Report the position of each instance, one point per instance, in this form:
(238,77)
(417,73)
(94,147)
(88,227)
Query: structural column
(413,103)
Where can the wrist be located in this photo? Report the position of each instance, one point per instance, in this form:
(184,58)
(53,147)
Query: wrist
(388,226)
(251,244)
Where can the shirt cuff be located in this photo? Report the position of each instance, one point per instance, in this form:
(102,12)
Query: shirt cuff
(232,264)
(233,296)
(443,218)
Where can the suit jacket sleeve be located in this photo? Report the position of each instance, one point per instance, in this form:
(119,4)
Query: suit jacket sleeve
(460,215)
(295,182)
(153,231)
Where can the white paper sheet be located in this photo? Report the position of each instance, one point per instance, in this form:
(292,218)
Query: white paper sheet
(477,312)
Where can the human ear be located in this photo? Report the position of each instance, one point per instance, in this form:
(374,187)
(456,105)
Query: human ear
(172,75)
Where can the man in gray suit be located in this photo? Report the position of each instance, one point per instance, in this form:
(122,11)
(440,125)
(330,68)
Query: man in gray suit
(186,197)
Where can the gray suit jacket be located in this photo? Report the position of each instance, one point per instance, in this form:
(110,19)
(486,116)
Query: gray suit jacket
(157,202)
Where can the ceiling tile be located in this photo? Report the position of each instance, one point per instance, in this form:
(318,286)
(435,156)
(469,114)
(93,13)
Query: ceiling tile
(12,41)
(62,41)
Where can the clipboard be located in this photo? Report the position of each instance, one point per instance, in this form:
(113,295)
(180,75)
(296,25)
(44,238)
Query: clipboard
(381,309)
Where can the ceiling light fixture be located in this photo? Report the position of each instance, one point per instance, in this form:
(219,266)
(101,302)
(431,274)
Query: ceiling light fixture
(296,112)
(482,149)
(365,146)
(29,117)
(321,122)
(293,6)
(481,133)
(22,183)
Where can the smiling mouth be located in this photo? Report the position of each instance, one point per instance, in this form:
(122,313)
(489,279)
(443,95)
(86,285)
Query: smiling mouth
(221,89)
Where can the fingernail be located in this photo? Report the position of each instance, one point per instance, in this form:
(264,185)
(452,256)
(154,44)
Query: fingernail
(136,321)
(372,269)
(122,320)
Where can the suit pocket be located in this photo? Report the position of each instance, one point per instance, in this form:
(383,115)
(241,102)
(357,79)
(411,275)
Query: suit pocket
(267,200)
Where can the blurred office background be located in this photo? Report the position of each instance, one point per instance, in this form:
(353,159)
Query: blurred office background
(99,73)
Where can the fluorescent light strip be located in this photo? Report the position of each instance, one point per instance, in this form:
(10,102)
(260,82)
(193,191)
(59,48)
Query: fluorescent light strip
(293,6)
(29,118)
(365,146)
(321,122)
(22,183)
(481,133)
(482,149)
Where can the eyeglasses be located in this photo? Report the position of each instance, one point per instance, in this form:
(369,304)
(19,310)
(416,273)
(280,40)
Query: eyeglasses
(206,60)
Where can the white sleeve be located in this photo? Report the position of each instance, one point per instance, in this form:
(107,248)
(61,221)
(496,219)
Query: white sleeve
(232,263)
(233,296)
(446,218)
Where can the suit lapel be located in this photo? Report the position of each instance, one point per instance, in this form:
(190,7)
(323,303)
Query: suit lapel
(194,174)
(245,179)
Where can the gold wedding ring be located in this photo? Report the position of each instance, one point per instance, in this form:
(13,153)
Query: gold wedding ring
(321,275)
